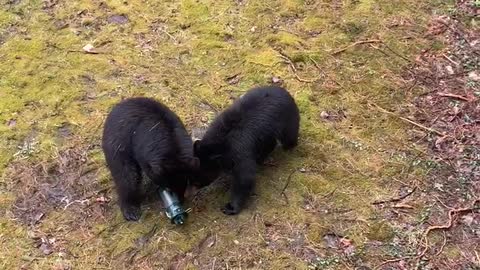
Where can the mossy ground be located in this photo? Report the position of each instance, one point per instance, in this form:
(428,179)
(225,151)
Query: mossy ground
(196,56)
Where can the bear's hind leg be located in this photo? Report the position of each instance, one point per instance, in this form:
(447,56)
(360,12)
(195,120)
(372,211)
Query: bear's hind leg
(127,176)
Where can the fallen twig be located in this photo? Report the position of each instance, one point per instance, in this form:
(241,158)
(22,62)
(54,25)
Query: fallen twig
(355,44)
(408,120)
(454,96)
(443,245)
(403,206)
(452,214)
(315,63)
(450,60)
(390,261)
(397,198)
(286,186)
(287,60)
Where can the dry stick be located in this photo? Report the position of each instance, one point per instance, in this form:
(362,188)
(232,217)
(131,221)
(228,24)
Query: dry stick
(286,185)
(396,199)
(454,96)
(450,59)
(315,63)
(443,245)
(408,120)
(390,261)
(294,69)
(396,53)
(451,217)
(355,44)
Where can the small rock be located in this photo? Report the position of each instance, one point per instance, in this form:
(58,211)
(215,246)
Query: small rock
(11,123)
(474,76)
(89,49)
(302,170)
(324,115)
(236,242)
(276,79)
(253,29)
(449,70)
(118,19)
(46,249)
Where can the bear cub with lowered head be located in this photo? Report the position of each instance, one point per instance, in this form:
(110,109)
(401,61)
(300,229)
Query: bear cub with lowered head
(243,136)
(143,135)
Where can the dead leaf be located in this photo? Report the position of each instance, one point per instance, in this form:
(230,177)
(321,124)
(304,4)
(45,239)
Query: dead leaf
(403,205)
(211,242)
(11,123)
(102,199)
(118,19)
(438,186)
(46,249)
(332,240)
(276,79)
(467,220)
(233,79)
(474,76)
(38,217)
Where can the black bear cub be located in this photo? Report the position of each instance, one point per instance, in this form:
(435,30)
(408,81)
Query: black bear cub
(244,135)
(142,135)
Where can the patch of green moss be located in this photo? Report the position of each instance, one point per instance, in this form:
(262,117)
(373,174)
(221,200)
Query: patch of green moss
(380,231)
(283,39)
(266,57)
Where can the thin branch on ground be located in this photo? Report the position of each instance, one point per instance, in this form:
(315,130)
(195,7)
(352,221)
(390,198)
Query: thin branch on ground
(443,245)
(315,63)
(397,198)
(287,60)
(396,53)
(390,261)
(450,60)
(289,179)
(403,206)
(452,214)
(355,44)
(432,130)
(454,96)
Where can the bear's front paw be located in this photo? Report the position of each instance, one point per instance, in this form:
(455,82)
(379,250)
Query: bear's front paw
(228,209)
(131,212)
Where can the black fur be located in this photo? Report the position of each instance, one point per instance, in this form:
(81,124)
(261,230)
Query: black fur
(244,135)
(140,134)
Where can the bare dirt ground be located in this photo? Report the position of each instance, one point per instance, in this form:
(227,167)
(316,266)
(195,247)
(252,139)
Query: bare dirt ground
(386,175)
